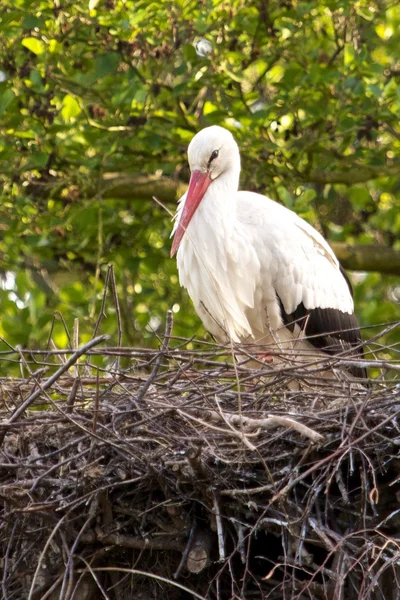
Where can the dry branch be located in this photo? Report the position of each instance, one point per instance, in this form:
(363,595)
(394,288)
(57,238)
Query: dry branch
(148,484)
(199,553)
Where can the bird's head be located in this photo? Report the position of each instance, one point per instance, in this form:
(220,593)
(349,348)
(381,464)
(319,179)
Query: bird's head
(211,153)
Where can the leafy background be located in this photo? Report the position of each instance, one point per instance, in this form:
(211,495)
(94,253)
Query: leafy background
(98,101)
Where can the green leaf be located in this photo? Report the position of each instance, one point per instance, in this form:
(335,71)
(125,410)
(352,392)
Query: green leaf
(308,196)
(71,108)
(103,65)
(285,196)
(9,17)
(349,55)
(6,98)
(134,70)
(34,45)
(359,197)
(30,22)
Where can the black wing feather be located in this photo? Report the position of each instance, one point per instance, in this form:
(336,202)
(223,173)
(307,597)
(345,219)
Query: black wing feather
(329,330)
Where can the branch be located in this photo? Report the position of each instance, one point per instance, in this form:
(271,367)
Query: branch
(128,185)
(277,421)
(50,381)
(172,542)
(368,258)
(125,185)
(199,554)
(356,258)
(357,174)
(269,422)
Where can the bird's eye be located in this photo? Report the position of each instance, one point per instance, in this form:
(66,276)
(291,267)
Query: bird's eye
(214,155)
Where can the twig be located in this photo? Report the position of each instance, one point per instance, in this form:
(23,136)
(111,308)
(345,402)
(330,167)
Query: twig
(160,357)
(110,283)
(148,488)
(129,541)
(152,576)
(248,491)
(329,458)
(116,303)
(72,396)
(278,421)
(269,422)
(220,531)
(230,431)
(96,406)
(186,551)
(51,380)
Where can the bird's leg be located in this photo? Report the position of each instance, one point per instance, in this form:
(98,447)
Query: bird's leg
(267,358)
(259,354)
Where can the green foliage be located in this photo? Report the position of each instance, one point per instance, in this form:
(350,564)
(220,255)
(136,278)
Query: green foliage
(310,89)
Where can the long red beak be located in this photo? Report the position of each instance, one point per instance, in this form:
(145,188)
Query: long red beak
(198,185)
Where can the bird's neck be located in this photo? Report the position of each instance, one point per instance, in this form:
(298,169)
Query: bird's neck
(220,200)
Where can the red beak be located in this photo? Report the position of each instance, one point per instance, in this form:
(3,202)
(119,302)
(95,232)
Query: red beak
(198,185)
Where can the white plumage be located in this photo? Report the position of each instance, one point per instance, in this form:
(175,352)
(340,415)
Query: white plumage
(248,262)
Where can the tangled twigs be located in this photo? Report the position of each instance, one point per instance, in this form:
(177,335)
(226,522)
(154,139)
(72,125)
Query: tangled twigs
(129,541)
(159,358)
(269,422)
(50,381)
(190,495)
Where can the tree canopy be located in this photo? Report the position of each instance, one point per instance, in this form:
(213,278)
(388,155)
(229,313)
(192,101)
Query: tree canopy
(98,101)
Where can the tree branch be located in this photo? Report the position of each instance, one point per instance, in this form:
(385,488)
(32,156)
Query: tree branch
(355,258)
(357,174)
(172,542)
(128,185)
(368,258)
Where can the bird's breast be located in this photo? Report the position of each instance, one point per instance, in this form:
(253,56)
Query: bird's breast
(219,266)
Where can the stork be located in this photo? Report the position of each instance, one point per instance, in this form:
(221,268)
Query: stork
(256,272)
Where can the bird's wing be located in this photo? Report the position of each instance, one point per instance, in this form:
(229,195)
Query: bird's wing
(304,269)
(311,289)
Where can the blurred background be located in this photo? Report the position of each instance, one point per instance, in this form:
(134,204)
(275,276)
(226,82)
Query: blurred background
(98,102)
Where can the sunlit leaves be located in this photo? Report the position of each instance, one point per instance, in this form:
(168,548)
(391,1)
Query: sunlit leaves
(34,45)
(117,87)
(70,108)
(6,98)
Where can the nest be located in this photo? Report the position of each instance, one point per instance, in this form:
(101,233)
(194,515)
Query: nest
(182,477)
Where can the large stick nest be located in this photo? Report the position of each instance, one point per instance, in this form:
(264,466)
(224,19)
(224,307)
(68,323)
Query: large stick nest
(183,477)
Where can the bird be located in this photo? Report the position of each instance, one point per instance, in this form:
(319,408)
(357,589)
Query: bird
(257,272)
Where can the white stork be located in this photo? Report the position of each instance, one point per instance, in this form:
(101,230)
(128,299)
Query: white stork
(256,272)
